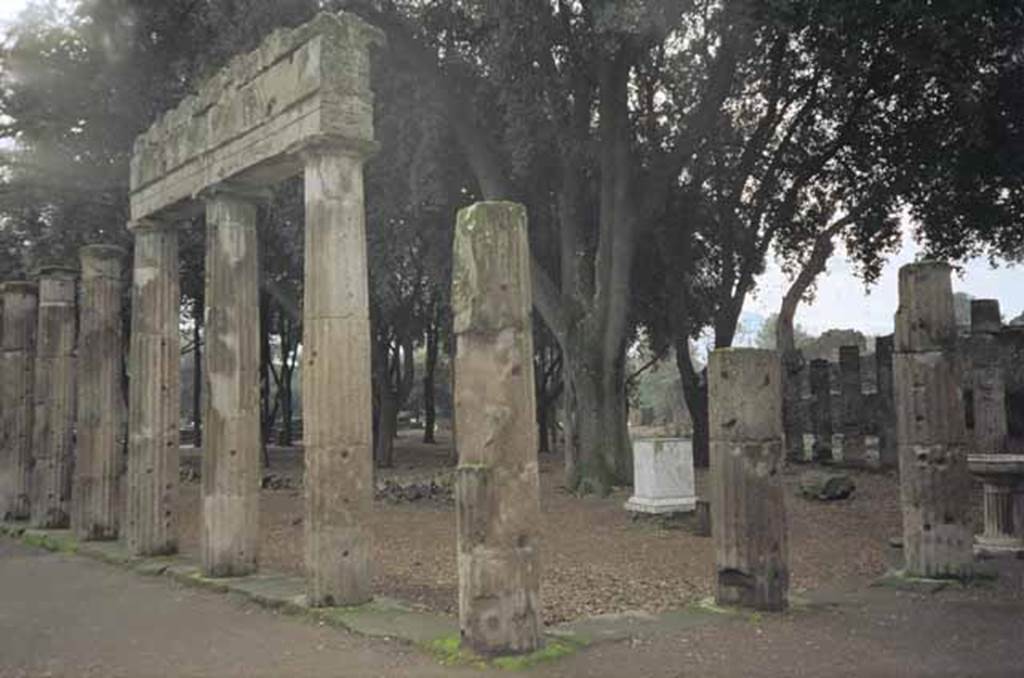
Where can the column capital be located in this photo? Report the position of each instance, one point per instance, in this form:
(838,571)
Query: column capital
(101,261)
(361,149)
(58,271)
(26,287)
(150,225)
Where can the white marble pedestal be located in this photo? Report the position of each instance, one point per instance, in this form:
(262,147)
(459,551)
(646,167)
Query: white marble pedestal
(663,480)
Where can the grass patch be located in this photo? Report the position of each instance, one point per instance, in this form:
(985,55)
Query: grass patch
(49,542)
(448,651)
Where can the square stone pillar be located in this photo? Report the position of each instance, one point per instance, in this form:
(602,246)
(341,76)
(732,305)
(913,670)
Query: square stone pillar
(663,479)
(17,382)
(229,528)
(821,409)
(96,498)
(934,481)
(989,402)
(888,456)
(54,418)
(150,526)
(497,491)
(336,396)
(748,512)
(852,401)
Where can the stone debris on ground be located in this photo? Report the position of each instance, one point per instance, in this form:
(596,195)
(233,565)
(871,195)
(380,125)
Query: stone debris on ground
(826,485)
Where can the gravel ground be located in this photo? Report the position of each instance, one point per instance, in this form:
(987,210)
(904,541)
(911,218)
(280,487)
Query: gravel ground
(596,558)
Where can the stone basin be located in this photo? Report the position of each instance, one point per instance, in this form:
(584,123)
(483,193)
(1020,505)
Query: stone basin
(1003,477)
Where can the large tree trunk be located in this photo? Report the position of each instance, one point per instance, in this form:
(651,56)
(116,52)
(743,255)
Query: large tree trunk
(387,428)
(604,456)
(695,393)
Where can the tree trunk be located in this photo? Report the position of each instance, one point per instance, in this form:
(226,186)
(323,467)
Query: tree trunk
(604,458)
(695,393)
(265,420)
(429,405)
(570,446)
(387,428)
(197,383)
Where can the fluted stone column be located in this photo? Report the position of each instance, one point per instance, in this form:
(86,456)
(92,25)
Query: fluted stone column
(821,409)
(497,488)
(934,480)
(748,514)
(852,400)
(793,419)
(229,534)
(336,396)
(17,382)
(990,421)
(885,408)
(150,526)
(96,497)
(54,392)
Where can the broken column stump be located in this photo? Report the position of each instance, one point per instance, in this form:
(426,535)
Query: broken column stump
(497,481)
(150,526)
(934,480)
(336,395)
(229,527)
(852,406)
(54,392)
(793,364)
(17,382)
(96,498)
(748,515)
(821,409)
(990,421)
(885,407)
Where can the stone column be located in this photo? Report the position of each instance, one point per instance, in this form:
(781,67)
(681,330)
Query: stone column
(792,404)
(17,381)
(852,399)
(54,418)
(934,481)
(748,513)
(990,421)
(229,534)
(96,498)
(150,526)
(821,409)
(336,396)
(888,456)
(497,482)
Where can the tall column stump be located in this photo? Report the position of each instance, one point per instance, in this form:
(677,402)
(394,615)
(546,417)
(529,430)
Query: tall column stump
(96,497)
(821,409)
(934,480)
(885,408)
(229,534)
(748,514)
(153,394)
(17,383)
(497,480)
(336,395)
(990,420)
(852,399)
(54,418)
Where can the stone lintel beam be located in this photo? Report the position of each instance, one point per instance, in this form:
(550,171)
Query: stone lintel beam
(748,515)
(336,391)
(934,481)
(54,392)
(96,496)
(153,401)
(497,486)
(229,534)
(17,382)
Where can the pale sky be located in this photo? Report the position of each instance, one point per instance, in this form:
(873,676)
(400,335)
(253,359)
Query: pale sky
(841,301)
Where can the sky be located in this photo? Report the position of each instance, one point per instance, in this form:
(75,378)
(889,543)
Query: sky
(841,300)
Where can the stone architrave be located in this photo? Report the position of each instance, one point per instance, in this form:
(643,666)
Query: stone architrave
(663,479)
(888,455)
(17,382)
(934,480)
(990,420)
(821,409)
(497,481)
(150,525)
(96,498)
(851,397)
(336,390)
(748,514)
(229,527)
(54,417)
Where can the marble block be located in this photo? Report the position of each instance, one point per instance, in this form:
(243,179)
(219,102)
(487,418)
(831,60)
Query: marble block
(663,480)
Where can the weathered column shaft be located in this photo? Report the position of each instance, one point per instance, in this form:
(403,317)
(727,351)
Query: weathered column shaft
(989,383)
(821,408)
(54,418)
(1004,512)
(793,419)
(888,455)
(229,534)
(17,382)
(336,395)
(497,481)
(153,395)
(934,481)
(748,515)
(852,399)
(96,498)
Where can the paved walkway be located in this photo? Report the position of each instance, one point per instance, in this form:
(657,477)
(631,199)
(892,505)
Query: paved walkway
(63,615)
